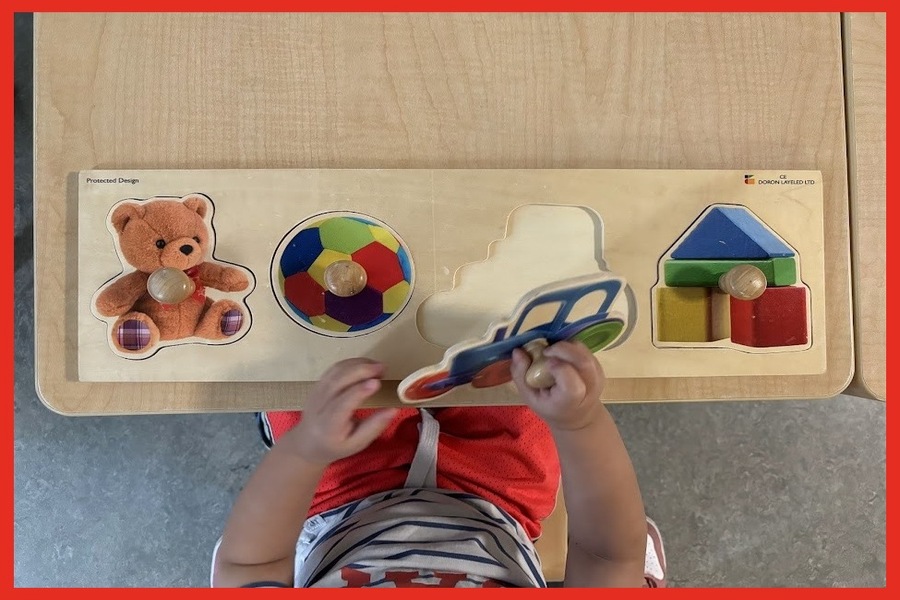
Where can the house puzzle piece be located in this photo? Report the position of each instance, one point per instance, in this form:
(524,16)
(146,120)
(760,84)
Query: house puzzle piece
(702,301)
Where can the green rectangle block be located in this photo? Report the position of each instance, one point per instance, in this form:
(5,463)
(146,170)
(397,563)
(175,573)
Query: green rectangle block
(706,273)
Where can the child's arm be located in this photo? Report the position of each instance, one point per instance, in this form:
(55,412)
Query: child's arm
(607,526)
(261,534)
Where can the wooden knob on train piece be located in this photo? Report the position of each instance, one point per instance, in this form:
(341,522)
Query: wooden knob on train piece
(345,278)
(744,282)
(170,286)
(537,375)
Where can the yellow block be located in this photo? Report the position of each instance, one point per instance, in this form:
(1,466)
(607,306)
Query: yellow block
(683,314)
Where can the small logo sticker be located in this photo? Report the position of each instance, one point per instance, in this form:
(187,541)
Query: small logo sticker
(782,180)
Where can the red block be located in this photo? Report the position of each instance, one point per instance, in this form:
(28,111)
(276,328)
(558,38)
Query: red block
(777,318)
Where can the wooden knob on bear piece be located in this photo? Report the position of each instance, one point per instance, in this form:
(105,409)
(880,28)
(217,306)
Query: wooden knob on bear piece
(537,375)
(170,286)
(744,282)
(345,278)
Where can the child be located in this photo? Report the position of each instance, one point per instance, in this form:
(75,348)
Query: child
(449,497)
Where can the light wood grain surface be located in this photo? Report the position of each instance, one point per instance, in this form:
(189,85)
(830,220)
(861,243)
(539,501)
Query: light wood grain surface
(681,91)
(865,45)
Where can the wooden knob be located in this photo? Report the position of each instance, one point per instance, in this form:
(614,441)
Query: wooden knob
(537,375)
(744,282)
(170,286)
(345,278)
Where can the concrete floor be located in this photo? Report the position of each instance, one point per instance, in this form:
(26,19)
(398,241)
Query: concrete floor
(746,493)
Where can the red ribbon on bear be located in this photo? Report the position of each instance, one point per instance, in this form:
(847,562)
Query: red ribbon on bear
(199,289)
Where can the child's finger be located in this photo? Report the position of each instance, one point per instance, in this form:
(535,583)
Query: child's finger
(343,405)
(347,373)
(568,382)
(370,428)
(578,356)
(520,363)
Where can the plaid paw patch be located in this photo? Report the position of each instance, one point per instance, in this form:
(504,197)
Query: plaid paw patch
(133,335)
(231,322)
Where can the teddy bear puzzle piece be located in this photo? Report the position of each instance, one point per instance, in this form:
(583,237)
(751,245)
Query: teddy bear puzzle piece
(342,274)
(161,297)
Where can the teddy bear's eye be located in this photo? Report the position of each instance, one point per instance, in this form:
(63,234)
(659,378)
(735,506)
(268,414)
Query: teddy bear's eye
(160,244)
(197,239)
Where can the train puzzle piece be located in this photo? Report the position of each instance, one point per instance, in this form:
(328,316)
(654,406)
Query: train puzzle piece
(577,309)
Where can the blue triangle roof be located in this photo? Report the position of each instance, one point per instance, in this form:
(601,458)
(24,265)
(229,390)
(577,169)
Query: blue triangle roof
(730,232)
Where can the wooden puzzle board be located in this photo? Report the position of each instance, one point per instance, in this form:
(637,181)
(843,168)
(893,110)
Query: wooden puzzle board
(447,218)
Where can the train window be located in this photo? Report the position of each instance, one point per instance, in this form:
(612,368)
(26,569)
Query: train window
(586,306)
(542,314)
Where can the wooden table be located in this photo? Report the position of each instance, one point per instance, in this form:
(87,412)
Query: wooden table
(685,91)
(866,120)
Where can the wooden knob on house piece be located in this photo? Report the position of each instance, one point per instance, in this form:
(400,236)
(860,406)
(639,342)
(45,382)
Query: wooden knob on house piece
(170,286)
(345,278)
(537,375)
(744,282)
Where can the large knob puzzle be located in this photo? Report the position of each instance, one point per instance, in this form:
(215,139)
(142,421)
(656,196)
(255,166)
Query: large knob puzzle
(254,275)
(730,281)
(160,298)
(342,274)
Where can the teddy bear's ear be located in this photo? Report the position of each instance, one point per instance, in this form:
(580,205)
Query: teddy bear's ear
(196,203)
(124,213)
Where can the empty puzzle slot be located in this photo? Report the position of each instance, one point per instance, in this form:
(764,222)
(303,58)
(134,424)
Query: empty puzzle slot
(543,243)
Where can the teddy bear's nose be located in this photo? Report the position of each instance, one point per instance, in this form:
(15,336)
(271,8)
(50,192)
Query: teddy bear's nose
(186,249)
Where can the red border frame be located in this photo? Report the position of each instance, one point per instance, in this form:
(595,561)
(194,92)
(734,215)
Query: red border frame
(6,251)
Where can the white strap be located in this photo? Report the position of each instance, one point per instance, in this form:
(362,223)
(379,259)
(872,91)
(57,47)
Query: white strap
(652,566)
(423,470)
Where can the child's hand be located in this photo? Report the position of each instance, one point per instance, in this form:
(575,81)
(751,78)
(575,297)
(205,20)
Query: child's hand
(328,430)
(574,399)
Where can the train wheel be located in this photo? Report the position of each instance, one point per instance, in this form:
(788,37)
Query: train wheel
(419,389)
(494,374)
(599,336)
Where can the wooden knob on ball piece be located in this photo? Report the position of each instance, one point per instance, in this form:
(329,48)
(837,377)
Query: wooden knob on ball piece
(345,278)
(744,282)
(170,286)
(537,375)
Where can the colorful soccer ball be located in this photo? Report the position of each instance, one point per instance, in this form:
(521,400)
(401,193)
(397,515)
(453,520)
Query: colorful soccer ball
(309,248)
